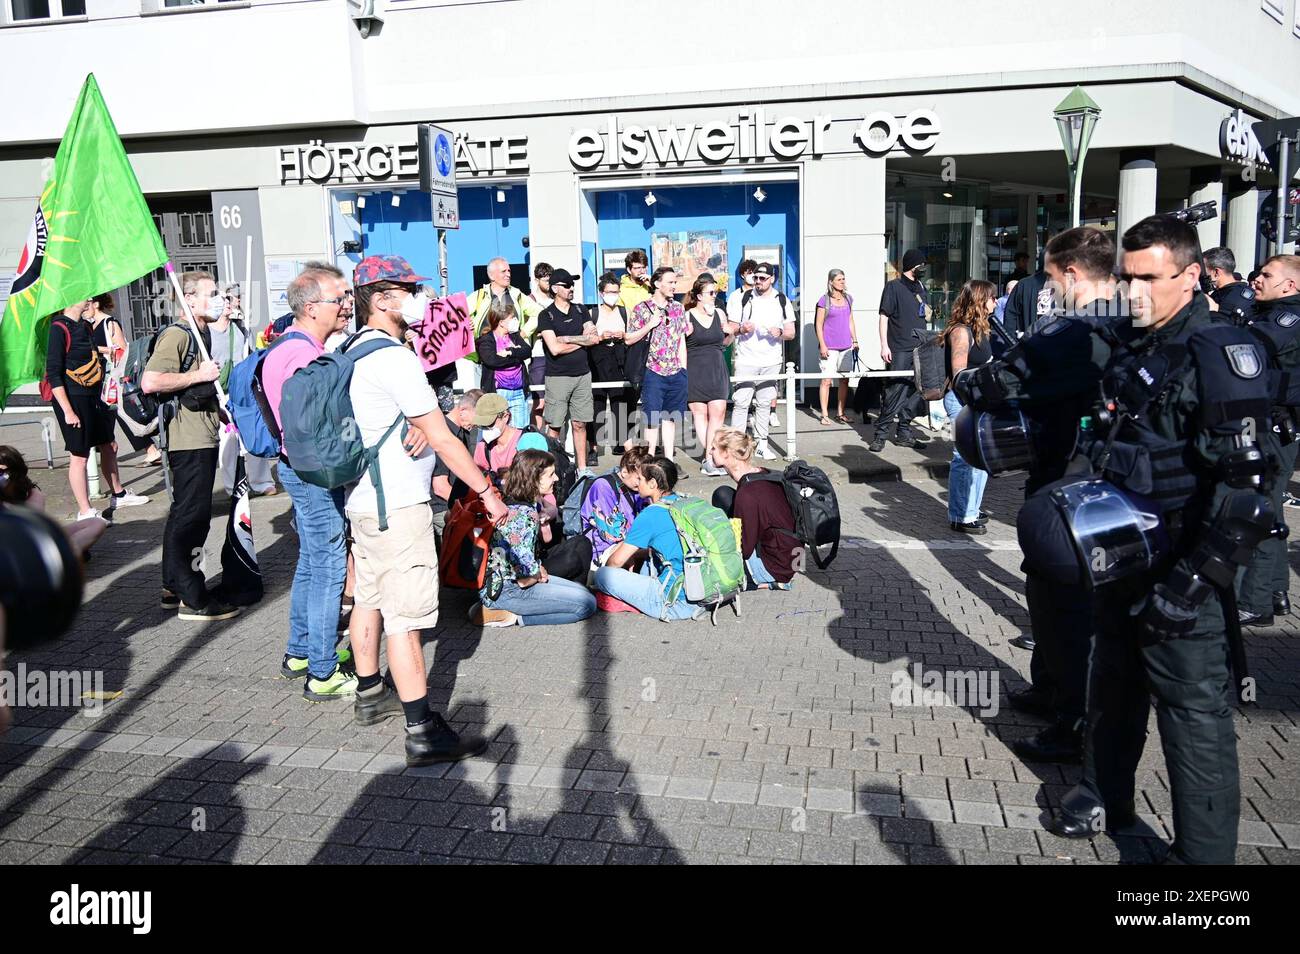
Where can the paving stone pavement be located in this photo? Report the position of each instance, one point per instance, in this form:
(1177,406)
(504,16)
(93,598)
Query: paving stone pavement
(772,738)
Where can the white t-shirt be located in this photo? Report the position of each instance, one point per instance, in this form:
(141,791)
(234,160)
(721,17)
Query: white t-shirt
(765,311)
(384,384)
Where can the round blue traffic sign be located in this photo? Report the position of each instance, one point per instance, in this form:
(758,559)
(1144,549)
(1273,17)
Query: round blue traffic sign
(442,155)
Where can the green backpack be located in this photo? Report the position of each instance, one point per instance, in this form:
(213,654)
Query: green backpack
(714,572)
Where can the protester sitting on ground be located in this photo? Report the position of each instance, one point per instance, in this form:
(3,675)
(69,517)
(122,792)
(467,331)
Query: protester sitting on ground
(504,354)
(498,436)
(645,570)
(612,503)
(17,487)
(75,375)
(315,599)
(461,423)
(230,346)
(836,339)
(767,532)
(110,339)
(518,588)
(397,568)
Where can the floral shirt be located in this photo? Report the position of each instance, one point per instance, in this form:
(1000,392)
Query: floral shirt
(514,548)
(665,355)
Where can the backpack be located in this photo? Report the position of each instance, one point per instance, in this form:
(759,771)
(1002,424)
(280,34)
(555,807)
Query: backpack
(466,544)
(816,509)
(566,473)
(713,570)
(571,509)
(321,439)
(749,293)
(249,407)
(46,389)
(137,410)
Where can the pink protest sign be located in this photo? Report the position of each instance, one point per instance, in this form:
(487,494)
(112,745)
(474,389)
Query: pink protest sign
(446,332)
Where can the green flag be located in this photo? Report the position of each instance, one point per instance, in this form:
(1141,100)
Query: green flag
(92,233)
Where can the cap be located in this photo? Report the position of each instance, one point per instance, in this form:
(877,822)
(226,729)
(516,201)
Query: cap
(912,258)
(488,409)
(560,277)
(766,268)
(531,441)
(384,268)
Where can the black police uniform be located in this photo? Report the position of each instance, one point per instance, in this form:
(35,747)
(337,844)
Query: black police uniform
(1236,301)
(1263,588)
(1190,386)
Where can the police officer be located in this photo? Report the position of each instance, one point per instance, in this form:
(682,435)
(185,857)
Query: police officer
(1181,421)
(1234,297)
(1079,264)
(1263,590)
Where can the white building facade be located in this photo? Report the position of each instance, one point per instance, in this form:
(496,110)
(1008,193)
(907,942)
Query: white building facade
(266,133)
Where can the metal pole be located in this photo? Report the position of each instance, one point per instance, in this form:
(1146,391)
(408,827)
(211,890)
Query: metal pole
(47,434)
(1283,181)
(789,411)
(1076,188)
(442,261)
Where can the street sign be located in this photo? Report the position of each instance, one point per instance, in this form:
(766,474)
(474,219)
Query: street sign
(437,160)
(446,211)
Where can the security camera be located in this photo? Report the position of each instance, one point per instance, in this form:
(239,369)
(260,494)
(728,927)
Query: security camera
(364,16)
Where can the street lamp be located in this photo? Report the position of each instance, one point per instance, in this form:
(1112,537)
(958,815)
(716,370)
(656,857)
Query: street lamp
(1075,118)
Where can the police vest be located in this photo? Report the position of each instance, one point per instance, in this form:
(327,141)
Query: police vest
(1278,328)
(1141,450)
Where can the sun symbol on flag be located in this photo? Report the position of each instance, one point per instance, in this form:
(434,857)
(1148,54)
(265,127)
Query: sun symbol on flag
(29,277)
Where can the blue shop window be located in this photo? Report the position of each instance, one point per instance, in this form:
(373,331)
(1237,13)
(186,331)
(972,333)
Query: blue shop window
(711,213)
(488,228)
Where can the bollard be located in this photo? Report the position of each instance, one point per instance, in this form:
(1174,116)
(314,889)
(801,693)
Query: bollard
(92,474)
(789,411)
(47,434)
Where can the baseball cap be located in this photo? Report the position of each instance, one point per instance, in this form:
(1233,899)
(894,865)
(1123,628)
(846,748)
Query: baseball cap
(488,409)
(561,277)
(766,268)
(384,268)
(532,441)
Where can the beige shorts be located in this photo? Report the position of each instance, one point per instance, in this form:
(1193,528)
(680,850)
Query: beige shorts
(397,570)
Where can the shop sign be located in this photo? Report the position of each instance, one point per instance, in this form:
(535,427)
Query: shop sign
(748,136)
(386,162)
(1237,140)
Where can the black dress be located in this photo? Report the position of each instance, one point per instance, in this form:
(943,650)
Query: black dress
(70,349)
(706,362)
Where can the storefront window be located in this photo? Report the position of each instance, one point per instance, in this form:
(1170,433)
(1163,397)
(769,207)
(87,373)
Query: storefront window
(702,228)
(493,222)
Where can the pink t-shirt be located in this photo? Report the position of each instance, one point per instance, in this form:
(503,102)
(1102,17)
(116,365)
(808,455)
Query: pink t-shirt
(288,355)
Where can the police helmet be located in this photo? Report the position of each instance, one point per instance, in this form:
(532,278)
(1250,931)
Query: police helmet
(998,442)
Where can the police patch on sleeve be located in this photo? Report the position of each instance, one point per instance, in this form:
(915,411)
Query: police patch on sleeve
(1052,327)
(1244,360)
(1288,319)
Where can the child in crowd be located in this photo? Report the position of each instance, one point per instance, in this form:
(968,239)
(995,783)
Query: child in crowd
(518,589)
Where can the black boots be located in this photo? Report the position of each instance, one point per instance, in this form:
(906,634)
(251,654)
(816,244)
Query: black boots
(1057,743)
(435,741)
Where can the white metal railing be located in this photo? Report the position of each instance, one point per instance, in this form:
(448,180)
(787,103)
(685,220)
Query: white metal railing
(46,424)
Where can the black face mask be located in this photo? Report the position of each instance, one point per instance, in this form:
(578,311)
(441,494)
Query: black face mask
(919,272)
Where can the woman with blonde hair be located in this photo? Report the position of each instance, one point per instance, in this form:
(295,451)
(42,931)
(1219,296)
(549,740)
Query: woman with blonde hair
(836,339)
(768,542)
(966,345)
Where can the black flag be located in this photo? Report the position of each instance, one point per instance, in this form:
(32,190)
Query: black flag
(241,577)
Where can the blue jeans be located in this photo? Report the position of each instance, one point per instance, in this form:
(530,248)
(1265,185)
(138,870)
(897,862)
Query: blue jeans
(758,573)
(517,401)
(965,483)
(322,568)
(644,591)
(553,603)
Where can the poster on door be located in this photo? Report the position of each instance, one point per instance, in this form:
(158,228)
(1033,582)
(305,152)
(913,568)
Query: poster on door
(690,254)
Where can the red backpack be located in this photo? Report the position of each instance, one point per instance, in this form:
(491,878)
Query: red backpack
(466,544)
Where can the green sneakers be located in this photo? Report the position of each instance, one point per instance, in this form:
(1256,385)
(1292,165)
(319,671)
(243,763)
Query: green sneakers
(340,685)
(294,668)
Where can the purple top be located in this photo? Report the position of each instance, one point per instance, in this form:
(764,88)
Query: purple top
(507,379)
(835,332)
(607,513)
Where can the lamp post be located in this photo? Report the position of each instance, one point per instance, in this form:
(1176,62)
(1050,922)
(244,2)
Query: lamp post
(1076,117)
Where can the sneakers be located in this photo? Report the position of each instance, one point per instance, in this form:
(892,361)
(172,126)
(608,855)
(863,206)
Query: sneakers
(215,610)
(375,705)
(294,667)
(128,499)
(87,514)
(766,452)
(974,528)
(435,741)
(169,600)
(710,469)
(584,473)
(877,445)
(1290,500)
(481,615)
(338,685)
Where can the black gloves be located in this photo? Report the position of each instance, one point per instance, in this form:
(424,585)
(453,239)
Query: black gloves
(1165,615)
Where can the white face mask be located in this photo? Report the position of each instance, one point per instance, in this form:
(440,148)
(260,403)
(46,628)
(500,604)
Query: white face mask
(749,278)
(490,433)
(512,326)
(216,305)
(415,307)
(610,299)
